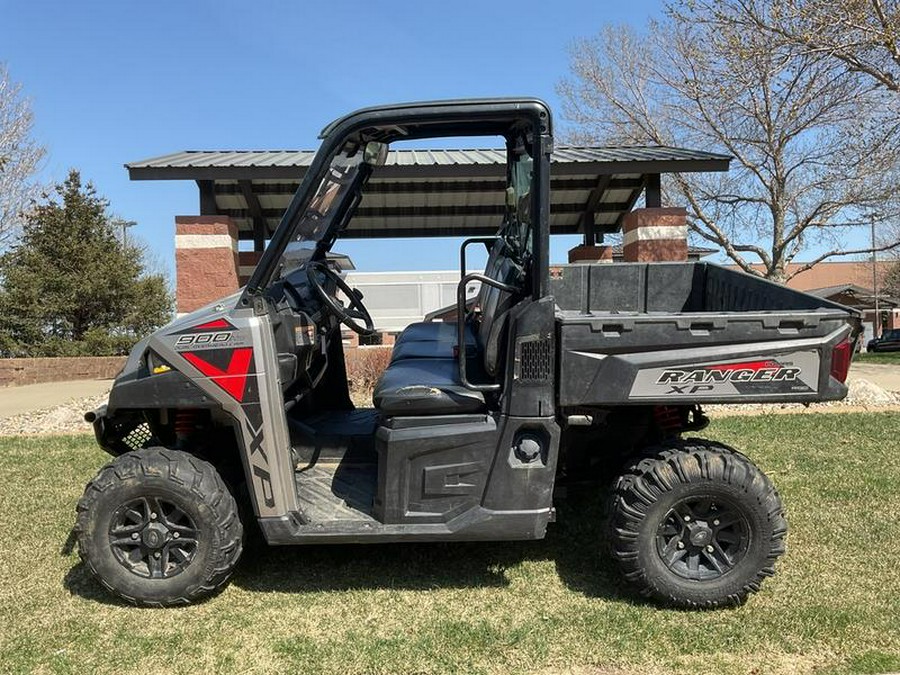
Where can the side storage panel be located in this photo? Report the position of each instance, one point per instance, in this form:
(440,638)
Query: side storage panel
(481,477)
(435,472)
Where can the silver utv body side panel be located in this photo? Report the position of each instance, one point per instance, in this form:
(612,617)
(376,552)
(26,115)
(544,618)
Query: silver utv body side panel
(207,354)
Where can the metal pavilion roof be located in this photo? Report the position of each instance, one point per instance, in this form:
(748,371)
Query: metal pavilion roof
(433,192)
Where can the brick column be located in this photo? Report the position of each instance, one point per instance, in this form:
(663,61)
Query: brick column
(247,262)
(205,260)
(655,235)
(591,254)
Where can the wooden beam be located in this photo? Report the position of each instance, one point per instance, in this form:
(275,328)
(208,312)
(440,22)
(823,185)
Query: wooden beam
(432,187)
(450,210)
(632,200)
(256,213)
(433,231)
(591,206)
(208,206)
(653,192)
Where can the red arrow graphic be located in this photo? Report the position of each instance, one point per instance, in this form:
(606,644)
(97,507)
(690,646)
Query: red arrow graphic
(234,378)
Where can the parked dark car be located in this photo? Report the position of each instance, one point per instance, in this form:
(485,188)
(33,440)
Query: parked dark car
(888,342)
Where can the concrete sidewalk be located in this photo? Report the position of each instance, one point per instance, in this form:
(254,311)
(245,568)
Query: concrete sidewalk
(885,375)
(30,397)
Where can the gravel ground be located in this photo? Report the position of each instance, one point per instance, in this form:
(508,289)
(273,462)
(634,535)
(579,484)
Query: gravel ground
(69,417)
(863,396)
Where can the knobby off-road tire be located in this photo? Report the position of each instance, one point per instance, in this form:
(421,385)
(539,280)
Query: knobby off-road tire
(696,524)
(158,527)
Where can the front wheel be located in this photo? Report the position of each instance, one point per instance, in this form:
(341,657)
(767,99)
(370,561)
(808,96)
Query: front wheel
(696,524)
(159,527)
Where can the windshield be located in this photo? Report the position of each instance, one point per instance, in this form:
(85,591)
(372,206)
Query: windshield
(337,191)
(516,229)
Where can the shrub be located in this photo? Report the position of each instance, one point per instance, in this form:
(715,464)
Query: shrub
(364,366)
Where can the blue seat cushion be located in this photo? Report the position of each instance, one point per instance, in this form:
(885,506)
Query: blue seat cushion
(423,386)
(431,340)
(433,331)
(429,349)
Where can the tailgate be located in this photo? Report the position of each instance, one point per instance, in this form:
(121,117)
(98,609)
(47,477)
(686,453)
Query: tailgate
(680,359)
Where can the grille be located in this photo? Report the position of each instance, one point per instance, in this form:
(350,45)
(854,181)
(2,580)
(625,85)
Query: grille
(534,359)
(138,437)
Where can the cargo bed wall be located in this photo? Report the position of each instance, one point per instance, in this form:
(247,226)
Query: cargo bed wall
(672,287)
(691,332)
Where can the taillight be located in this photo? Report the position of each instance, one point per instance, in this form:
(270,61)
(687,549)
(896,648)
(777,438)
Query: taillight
(840,360)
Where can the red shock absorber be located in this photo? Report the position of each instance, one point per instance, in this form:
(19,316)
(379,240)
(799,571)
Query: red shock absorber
(185,424)
(668,417)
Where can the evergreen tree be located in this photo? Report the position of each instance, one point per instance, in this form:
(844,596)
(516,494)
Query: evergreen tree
(71,286)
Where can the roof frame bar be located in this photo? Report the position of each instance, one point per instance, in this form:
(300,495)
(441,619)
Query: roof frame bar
(260,227)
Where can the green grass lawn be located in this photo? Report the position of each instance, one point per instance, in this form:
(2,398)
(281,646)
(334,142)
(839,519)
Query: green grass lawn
(554,606)
(890,358)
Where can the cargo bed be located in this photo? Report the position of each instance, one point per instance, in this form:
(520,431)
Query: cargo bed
(675,333)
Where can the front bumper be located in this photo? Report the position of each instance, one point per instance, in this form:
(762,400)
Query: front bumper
(98,419)
(120,432)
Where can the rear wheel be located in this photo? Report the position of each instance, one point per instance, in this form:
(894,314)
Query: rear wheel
(159,527)
(696,524)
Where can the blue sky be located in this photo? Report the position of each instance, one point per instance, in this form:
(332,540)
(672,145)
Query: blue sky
(113,82)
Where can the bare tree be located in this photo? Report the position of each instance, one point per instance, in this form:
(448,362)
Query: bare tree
(891,283)
(811,143)
(857,36)
(862,36)
(20,156)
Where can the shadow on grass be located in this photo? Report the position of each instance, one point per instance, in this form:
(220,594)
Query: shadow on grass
(575,544)
(79,581)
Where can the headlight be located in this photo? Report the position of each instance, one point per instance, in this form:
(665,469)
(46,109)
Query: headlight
(155,364)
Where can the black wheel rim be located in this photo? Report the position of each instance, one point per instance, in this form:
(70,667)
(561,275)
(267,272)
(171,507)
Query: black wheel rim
(153,538)
(702,538)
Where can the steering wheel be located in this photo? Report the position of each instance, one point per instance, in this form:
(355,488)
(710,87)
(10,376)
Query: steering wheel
(350,316)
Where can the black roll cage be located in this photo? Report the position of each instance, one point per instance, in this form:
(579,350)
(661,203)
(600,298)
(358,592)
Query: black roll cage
(410,121)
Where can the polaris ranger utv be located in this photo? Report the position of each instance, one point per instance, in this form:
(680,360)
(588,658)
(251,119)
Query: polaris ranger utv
(547,375)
